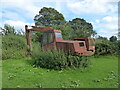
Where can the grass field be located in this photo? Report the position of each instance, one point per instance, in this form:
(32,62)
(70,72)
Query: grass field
(103,73)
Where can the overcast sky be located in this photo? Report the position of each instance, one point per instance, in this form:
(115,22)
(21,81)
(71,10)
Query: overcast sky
(103,14)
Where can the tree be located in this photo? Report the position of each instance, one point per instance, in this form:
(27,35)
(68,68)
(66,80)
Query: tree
(113,38)
(81,28)
(8,29)
(76,28)
(102,38)
(49,17)
(119,34)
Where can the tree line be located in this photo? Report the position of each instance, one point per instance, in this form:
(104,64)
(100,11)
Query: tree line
(77,27)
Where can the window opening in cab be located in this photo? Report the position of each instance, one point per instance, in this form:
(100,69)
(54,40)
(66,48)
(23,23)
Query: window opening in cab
(91,41)
(81,44)
(58,35)
(50,37)
(44,39)
(47,38)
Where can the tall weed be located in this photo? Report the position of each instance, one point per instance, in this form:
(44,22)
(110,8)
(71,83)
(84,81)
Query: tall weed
(57,59)
(13,46)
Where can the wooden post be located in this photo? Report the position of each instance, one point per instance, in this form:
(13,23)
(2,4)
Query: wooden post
(28,38)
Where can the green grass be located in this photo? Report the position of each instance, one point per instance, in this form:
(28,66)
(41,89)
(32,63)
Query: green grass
(103,73)
(0,74)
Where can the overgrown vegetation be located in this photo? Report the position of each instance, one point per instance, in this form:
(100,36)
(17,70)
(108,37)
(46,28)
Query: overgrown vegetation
(106,47)
(13,46)
(57,60)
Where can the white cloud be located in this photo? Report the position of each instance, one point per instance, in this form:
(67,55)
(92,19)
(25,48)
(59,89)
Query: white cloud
(110,19)
(12,16)
(34,0)
(107,32)
(108,26)
(102,31)
(111,26)
(92,6)
(30,10)
(18,25)
(110,22)
(26,8)
(97,21)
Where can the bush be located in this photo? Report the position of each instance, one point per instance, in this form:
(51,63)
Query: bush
(57,60)
(13,46)
(118,44)
(105,47)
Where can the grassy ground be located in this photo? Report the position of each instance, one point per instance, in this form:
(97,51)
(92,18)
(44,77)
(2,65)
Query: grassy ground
(103,73)
(0,74)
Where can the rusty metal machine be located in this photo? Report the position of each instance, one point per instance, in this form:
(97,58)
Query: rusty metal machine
(52,38)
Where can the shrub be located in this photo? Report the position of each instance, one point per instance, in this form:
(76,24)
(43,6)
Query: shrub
(105,47)
(57,60)
(118,44)
(13,46)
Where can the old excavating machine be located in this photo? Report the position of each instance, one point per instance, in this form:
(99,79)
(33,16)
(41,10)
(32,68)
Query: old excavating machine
(52,38)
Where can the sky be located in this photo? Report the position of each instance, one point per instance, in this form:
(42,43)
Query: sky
(103,14)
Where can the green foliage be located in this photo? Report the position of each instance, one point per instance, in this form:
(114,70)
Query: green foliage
(113,38)
(8,29)
(118,43)
(81,28)
(66,30)
(13,46)
(57,60)
(102,38)
(76,28)
(116,47)
(36,37)
(49,17)
(105,47)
